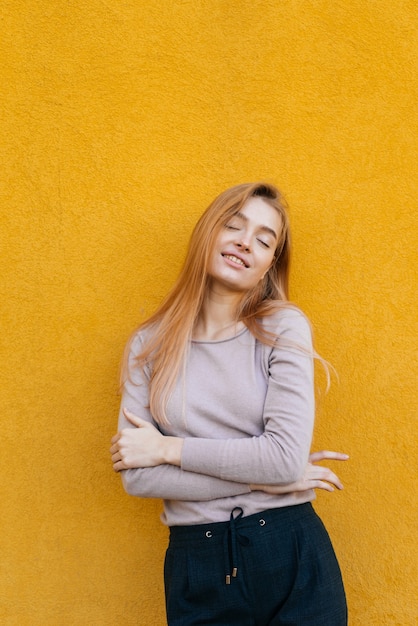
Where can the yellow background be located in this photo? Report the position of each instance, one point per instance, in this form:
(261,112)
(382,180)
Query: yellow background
(121,121)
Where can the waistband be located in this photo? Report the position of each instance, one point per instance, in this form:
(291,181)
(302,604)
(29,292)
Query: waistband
(286,514)
(233,532)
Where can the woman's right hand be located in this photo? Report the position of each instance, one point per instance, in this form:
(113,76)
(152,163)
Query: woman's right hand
(314,477)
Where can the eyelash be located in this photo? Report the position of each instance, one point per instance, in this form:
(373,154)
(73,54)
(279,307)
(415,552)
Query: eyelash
(260,241)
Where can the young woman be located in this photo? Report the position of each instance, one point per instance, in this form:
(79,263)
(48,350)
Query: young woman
(217,417)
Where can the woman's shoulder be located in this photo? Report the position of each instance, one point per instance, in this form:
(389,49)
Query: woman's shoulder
(134,365)
(283,314)
(287,319)
(138,339)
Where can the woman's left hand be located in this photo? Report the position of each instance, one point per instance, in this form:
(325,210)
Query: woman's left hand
(314,477)
(143,446)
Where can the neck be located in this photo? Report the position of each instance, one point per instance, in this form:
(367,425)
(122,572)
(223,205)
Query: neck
(217,319)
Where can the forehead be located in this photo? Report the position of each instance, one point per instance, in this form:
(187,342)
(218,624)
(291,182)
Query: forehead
(261,213)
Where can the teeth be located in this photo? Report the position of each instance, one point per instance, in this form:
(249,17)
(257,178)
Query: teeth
(235,259)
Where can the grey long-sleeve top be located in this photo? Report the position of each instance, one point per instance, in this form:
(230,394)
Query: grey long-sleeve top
(246,412)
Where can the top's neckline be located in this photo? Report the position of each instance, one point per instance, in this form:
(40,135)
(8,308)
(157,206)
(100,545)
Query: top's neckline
(214,341)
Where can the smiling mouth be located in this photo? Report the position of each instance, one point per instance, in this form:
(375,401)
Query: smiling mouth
(235,259)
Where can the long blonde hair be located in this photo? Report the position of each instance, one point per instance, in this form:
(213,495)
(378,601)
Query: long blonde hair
(171,326)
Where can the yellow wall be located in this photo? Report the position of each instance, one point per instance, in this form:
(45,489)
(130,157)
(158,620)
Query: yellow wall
(121,121)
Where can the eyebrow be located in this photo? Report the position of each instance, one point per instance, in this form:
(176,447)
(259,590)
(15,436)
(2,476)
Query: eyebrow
(266,229)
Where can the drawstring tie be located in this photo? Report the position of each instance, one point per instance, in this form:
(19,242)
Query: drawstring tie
(231,539)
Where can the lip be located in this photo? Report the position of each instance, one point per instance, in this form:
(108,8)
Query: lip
(238,256)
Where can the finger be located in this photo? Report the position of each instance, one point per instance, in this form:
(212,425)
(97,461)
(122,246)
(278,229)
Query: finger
(115,438)
(331,478)
(315,457)
(118,466)
(134,419)
(114,448)
(320,484)
(324,474)
(116,457)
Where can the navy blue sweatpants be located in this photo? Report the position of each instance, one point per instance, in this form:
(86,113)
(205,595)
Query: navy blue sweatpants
(275,568)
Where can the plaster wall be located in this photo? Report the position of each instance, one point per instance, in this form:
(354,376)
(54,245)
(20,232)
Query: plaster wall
(121,121)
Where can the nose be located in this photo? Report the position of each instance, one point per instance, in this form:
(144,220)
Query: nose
(243,244)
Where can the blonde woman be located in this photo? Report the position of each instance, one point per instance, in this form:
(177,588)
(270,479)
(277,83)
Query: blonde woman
(217,417)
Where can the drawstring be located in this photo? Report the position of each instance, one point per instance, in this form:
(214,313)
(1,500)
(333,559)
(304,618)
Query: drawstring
(231,538)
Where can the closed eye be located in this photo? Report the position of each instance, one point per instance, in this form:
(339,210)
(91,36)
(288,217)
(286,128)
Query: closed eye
(263,243)
(231,227)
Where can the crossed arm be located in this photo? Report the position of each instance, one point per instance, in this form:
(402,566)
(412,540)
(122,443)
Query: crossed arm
(151,465)
(277,461)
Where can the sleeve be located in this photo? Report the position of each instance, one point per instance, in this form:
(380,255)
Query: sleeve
(164,481)
(280,454)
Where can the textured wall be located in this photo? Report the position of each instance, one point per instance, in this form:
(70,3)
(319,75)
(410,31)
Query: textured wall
(122,119)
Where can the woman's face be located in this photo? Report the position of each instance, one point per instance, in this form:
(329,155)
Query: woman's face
(244,248)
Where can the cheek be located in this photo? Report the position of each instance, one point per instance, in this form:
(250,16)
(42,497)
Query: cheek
(268,262)
(214,258)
